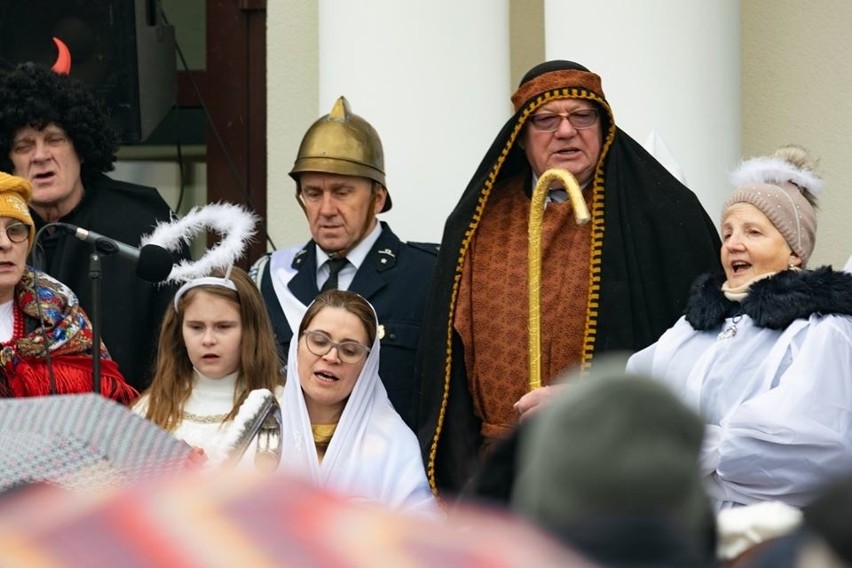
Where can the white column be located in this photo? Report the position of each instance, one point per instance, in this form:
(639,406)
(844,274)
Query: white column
(669,66)
(432,76)
(291,100)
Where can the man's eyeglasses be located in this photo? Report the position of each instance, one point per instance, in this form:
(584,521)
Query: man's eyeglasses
(320,344)
(18,232)
(579,119)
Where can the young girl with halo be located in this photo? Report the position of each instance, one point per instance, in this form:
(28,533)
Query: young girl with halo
(216,344)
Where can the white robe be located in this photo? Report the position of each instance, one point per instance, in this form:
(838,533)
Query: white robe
(373,455)
(777,404)
(209,397)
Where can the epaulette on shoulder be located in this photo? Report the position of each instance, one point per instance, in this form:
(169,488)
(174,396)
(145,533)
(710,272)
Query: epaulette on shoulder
(256,270)
(431,248)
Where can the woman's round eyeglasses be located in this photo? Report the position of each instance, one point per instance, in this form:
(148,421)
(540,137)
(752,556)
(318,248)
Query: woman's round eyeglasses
(320,344)
(18,232)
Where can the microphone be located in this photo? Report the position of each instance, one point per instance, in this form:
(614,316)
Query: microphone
(153,263)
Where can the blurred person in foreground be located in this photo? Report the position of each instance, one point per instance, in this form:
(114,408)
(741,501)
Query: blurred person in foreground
(611,468)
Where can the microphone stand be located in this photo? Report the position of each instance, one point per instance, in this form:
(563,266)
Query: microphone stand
(95,275)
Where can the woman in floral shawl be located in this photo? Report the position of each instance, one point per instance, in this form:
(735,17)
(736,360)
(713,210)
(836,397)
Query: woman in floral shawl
(36,310)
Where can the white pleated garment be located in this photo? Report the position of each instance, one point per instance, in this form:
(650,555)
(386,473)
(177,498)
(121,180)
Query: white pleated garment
(777,404)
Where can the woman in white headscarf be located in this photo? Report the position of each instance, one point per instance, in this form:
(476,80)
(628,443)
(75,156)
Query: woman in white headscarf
(340,429)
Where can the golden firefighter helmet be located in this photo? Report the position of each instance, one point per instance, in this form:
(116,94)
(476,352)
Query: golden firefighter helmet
(342,142)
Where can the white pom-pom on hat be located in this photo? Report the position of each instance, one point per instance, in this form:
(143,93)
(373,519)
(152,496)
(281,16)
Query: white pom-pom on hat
(776,171)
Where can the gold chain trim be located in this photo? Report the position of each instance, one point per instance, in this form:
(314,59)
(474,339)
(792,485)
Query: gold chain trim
(202,419)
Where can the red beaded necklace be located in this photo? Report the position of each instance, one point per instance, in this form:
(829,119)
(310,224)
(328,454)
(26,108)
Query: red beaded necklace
(17,324)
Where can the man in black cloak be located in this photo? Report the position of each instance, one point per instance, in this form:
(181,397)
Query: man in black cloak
(615,283)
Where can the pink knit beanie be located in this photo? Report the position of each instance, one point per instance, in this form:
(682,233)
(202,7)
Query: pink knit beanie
(786,193)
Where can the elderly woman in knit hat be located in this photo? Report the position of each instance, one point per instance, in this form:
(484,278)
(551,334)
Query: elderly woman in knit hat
(764,352)
(38,311)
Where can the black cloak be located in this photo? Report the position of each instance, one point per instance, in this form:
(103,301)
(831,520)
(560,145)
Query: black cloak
(652,238)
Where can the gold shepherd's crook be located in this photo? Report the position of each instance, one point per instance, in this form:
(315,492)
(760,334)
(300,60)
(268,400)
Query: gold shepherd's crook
(581,212)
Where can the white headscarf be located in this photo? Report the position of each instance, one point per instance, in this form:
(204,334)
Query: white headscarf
(373,455)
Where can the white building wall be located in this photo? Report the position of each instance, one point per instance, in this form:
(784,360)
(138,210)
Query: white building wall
(433,79)
(667,66)
(797,80)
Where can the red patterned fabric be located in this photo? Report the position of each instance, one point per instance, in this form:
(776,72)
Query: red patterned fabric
(25,367)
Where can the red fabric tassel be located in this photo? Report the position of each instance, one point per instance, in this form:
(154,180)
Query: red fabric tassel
(73,375)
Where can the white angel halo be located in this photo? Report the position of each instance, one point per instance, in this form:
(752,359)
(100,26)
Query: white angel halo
(234,223)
